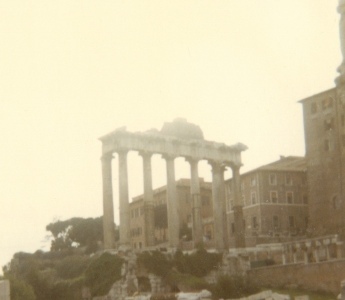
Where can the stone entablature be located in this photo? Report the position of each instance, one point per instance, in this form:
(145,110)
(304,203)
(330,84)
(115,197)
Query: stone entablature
(157,143)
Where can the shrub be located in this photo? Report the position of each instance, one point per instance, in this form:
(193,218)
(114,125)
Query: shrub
(198,264)
(186,282)
(102,273)
(72,266)
(232,287)
(155,262)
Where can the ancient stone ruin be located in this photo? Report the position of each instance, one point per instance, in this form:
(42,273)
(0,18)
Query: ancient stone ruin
(176,139)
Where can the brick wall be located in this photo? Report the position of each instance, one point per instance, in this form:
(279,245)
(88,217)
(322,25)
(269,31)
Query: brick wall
(324,276)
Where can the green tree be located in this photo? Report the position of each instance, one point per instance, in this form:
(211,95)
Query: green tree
(76,232)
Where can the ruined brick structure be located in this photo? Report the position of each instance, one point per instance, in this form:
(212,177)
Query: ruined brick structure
(176,139)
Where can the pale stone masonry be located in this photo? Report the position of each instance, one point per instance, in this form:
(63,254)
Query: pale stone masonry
(176,139)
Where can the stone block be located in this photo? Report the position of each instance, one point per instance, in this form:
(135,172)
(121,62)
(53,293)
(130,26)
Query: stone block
(5,290)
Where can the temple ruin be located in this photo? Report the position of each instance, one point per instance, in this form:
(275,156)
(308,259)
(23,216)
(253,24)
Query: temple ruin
(176,139)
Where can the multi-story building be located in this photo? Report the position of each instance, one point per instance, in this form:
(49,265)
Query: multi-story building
(275,202)
(137,223)
(324,128)
(275,206)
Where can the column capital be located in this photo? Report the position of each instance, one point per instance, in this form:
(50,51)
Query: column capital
(122,151)
(192,160)
(217,165)
(107,157)
(146,154)
(233,166)
(168,156)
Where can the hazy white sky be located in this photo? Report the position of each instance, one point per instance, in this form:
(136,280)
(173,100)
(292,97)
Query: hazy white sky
(72,71)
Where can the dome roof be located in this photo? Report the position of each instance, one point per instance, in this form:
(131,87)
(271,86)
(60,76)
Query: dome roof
(182,129)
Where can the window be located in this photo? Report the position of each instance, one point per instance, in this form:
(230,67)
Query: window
(232,227)
(289,197)
(253,197)
(275,222)
(274,196)
(254,222)
(313,108)
(288,179)
(253,181)
(328,124)
(291,221)
(327,103)
(273,179)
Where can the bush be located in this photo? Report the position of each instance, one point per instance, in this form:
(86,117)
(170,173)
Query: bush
(19,289)
(155,262)
(72,266)
(232,287)
(102,273)
(198,264)
(186,282)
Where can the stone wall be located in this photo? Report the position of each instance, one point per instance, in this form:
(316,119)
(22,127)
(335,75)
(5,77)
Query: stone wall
(4,290)
(324,276)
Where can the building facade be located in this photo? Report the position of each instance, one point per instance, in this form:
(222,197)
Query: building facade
(161,232)
(324,130)
(275,202)
(274,199)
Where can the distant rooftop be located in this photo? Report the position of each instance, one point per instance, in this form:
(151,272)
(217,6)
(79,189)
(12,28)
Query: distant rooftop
(285,163)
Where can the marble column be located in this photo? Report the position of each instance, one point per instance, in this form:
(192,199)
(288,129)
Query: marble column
(124,199)
(238,208)
(217,195)
(196,205)
(108,206)
(172,203)
(149,212)
(226,231)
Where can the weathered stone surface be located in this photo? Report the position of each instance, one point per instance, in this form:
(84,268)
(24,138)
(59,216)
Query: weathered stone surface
(176,139)
(5,290)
